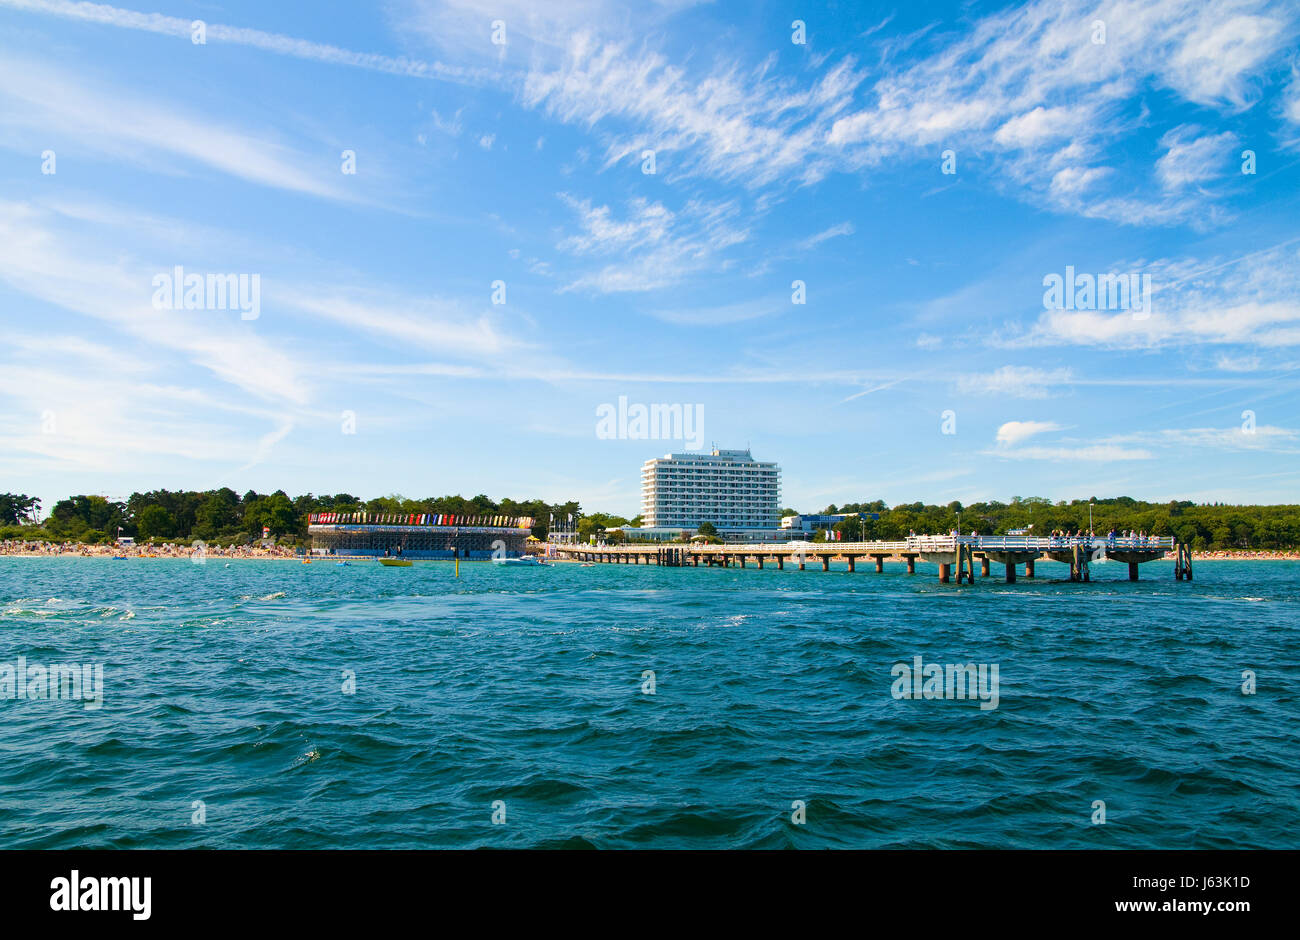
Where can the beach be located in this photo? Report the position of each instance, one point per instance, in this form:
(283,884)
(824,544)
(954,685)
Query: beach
(21,549)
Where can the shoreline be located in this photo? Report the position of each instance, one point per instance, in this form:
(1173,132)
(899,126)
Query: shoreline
(264,555)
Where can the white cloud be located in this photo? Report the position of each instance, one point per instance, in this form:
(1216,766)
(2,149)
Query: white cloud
(723,314)
(656,247)
(1251,300)
(1291,99)
(1027,83)
(1030,81)
(744,126)
(106,412)
(429,323)
(1261,438)
(179,28)
(1229,363)
(1014,382)
(51,267)
(1014,432)
(1040,125)
(123,124)
(1193,157)
(1087,453)
(812,241)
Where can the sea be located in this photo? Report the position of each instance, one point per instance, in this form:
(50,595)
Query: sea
(272,704)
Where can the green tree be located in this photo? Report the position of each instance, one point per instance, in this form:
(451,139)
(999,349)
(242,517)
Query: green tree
(87,517)
(18,509)
(850,529)
(217,514)
(156,522)
(276,513)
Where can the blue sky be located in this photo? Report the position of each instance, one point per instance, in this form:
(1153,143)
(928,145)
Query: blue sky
(1105,149)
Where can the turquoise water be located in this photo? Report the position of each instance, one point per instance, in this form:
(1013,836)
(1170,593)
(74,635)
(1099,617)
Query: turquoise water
(224,684)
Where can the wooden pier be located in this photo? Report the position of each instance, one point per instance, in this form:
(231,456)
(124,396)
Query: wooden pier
(953,555)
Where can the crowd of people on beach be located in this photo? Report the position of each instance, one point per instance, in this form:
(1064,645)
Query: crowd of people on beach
(168,550)
(271,550)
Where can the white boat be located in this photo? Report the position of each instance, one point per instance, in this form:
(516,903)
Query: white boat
(528,561)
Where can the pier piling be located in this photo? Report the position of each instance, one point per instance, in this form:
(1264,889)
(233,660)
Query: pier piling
(941,551)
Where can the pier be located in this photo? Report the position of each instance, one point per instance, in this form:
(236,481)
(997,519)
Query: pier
(954,555)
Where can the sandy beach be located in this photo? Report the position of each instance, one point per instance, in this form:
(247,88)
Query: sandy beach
(72,550)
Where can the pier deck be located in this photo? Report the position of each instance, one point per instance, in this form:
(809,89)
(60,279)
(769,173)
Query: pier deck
(948,552)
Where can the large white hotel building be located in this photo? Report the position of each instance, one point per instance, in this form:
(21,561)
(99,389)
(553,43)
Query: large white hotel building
(741,496)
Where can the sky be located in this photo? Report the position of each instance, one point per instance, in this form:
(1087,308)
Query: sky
(828,232)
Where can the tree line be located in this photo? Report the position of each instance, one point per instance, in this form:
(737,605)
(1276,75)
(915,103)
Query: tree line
(222,516)
(1205,527)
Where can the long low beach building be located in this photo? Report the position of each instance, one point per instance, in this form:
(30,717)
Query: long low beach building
(417,535)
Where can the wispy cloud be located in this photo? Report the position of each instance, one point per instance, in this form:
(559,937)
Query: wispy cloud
(444,325)
(178,28)
(1257,438)
(835,231)
(45,263)
(1192,156)
(1248,300)
(655,247)
(1015,382)
(723,314)
(1083,453)
(739,125)
(123,124)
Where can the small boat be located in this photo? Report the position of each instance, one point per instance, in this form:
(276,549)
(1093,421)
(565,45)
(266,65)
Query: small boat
(527,561)
(342,564)
(119,558)
(395,562)
(306,561)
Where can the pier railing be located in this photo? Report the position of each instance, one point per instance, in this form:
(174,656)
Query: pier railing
(920,543)
(1040,543)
